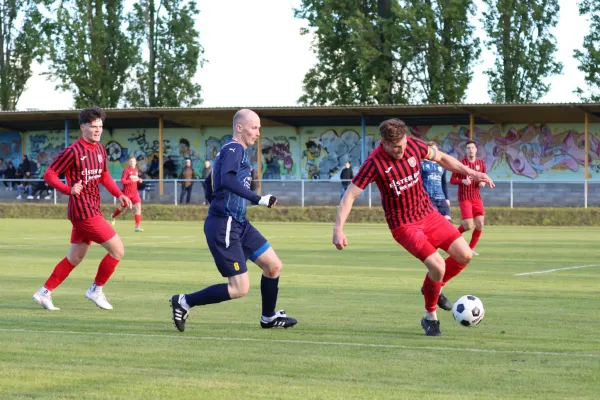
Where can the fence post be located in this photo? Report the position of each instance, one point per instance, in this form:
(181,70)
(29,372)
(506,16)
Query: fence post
(302,192)
(585,193)
(511,194)
(175,190)
(369,195)
(54,190)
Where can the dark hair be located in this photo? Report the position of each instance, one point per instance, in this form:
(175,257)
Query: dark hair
(392,130)
(471,142)
(310,144)
(184,141)
(88,115)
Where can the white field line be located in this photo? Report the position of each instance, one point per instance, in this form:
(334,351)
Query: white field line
(547,271)
(305,342)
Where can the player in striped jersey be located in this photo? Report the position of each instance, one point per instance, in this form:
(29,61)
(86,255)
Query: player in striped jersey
(395,166)
(84,164)
(469,197)
(130,180)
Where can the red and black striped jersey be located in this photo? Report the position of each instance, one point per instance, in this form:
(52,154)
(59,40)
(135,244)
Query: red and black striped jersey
(468,192)
(130,188)
(403,197)
(86,163)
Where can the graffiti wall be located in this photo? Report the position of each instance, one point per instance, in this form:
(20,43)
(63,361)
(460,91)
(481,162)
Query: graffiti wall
(518,152)
(11,147)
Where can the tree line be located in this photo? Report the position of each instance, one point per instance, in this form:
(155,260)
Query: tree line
(368,51)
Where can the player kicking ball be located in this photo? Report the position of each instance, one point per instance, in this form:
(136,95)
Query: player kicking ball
(130,180)
(395,166)
(469,196)
(85,166)
(231,238)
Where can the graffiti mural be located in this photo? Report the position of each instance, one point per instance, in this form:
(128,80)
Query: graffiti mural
(44,146)
(11,147)
(325,154)
(278,161)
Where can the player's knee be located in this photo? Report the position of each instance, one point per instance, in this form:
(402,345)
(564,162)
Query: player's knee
(237,291)
(465,258)
(75,259)
(274,270)
(468,225)
(117,253)
(479,225)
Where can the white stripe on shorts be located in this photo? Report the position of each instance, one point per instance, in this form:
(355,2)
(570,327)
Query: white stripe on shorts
(227,232)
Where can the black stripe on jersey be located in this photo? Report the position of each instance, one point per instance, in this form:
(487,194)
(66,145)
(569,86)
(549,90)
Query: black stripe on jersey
(378,162)
(363,174)
(79,211)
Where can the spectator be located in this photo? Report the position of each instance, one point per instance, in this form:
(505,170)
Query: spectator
(346,177)
(10,173)
(170,169)
(206,172)
(187,174)
(254,181)
(152,170)
(39,188)
(3,167)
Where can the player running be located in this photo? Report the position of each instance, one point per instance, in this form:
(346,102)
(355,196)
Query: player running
(231,238)
(395,166)
(434,180)
(469,198)
(84,164)
(130,180)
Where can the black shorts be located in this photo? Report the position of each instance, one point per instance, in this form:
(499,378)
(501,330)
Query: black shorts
(231,243)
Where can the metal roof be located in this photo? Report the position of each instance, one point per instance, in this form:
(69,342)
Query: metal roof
(297,116)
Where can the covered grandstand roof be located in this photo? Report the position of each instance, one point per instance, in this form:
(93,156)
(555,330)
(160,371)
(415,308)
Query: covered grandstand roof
(297,116)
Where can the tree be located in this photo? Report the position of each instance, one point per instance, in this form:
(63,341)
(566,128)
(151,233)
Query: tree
(165,77)
(589,58)
(519,34)
(20,30)
(444,48)
(361,49)
(89,52)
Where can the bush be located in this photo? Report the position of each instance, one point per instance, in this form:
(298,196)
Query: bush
(164,212)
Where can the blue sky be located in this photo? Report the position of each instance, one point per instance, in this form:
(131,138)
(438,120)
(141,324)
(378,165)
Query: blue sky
(256,57)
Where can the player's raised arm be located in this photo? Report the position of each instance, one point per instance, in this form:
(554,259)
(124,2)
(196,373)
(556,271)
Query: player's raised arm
(339,237)
(452,164)
(113,189)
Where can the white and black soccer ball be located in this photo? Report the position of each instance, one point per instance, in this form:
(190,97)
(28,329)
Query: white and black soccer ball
(468,310)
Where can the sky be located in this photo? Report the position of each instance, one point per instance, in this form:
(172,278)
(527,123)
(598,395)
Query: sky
(257,57)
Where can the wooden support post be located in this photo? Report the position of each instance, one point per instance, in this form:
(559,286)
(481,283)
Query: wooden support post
(161,137)
(259,164)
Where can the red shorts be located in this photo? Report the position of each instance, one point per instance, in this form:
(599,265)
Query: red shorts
(135,198)
(95,229)
(471,208)
(424,237)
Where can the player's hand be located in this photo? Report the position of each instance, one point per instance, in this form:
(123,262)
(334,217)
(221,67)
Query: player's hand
(467,181)
(339,239)
(125,201)
(448,202)
(482,184)
(483,178)
(76,189)
(135,178)
(268,201)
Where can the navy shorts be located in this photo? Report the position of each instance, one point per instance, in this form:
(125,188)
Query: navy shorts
(231,243)
(443,207)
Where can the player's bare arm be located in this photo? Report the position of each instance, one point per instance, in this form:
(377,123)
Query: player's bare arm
(453,165)
(339,238)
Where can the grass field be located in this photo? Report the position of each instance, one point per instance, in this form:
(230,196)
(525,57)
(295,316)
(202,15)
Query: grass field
(358,335)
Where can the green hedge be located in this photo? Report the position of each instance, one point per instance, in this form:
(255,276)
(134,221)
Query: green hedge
(162,212)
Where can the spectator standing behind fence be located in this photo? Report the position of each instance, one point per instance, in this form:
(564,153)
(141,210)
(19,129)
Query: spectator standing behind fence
(152,170)
(3,167)
(187,174)
(10,173)
(206,171)
(170,168)
(346,176)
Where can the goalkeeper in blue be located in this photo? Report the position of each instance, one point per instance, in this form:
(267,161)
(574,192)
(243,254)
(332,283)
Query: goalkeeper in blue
(434,181)
(231,238)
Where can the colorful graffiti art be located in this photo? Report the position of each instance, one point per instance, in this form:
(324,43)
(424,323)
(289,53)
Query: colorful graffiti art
(11,147)
(278,162)
(44,146)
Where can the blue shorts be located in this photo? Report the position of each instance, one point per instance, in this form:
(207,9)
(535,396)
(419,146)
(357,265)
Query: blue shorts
(443,207)
(231,243)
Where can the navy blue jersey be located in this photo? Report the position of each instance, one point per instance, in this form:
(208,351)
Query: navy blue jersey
(434,180)
(232,158)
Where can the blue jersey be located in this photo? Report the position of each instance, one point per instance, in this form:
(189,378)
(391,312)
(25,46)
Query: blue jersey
(434,180)
(232,158)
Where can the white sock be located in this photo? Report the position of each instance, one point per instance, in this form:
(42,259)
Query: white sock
(184,304)
(95,288)
(44,291)
(431,316)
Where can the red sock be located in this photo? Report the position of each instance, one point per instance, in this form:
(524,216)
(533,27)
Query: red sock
(461,229)
(453,268)
(431,290)
(60,273)
(138,219)
(105,270)
(116,213)
(475,238)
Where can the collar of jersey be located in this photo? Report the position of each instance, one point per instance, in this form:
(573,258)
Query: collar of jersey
(87,145)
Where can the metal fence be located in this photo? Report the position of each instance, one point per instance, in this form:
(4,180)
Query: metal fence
(324,192)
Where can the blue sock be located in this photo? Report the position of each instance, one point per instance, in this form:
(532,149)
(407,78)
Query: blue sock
(210,295)
(269,288)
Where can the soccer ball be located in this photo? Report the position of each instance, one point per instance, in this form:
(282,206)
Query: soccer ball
(468,310)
